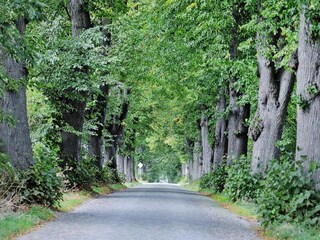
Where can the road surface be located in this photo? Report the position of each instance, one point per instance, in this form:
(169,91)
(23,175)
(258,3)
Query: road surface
(147,212)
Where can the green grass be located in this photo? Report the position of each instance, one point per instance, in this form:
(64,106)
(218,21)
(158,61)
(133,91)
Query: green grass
(18,223)
(292,232)
(72,200)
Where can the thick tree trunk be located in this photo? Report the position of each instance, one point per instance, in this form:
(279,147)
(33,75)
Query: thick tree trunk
(237,129)
(80,17)
(308,90)
(71,141)
(221,138)
(120,163)
(195,164)
(275,90)
(95,144)
(184,170)
(129,166)
(15,140)
(206,147)
(73,115)
(189,151)
(116,131)
(111,150)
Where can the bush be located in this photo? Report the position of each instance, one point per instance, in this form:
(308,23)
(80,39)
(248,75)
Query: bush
(241,184)
(288,195)
(214,181)
(43,180)
(83,175)
(112,176)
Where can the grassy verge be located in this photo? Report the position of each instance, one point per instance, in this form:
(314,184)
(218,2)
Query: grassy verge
(21,222)
(74,199)
(292,232)
(17,223)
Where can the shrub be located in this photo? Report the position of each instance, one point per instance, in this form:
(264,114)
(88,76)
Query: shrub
(43,180)
(241,184)
(83,175)
(112,176)
(288,195)
(214,181)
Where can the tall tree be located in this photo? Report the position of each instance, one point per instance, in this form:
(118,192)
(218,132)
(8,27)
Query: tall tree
(207,153)
(308,90)
(275,84)
(237,128)
(15,138)
(221,138)
(74,112)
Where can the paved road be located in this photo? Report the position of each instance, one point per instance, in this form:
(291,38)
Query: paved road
(147,212)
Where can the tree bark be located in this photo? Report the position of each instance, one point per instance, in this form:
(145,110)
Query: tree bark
(275,88)
(95,144)
(237,129)
(221,138)
(206,147)
(15,140)
(129,166)
(74,114)
(195,164)
(308,90)
(116,131)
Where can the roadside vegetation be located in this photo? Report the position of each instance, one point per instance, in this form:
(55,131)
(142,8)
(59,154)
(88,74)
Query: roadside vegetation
(283,202)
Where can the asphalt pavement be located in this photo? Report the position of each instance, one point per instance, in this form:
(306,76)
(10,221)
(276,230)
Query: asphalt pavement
(147,212)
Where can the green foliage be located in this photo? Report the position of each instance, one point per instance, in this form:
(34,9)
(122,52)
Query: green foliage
(43,181)
(82,174)
(112,176)
(241,184)
(312,13)
(288,195)
(215,180)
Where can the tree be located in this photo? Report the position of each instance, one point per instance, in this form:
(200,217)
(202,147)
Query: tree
(14,128)
(15,137)
(74,112)
(276,65)
(308,90)
(239,113)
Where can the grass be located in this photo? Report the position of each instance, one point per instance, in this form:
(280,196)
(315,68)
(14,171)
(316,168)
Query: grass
(21,222)
(17,223)
(292,232)
(74,199)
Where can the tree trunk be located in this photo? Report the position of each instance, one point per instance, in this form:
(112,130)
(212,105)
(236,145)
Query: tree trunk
(111,150)
(206,147)
(308,91)
(120,163)
(221,138)
(237,129)
(74,114)
(95,144)
(275,90)
(196,164)
(116,131)
(130,176)
(15,140)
